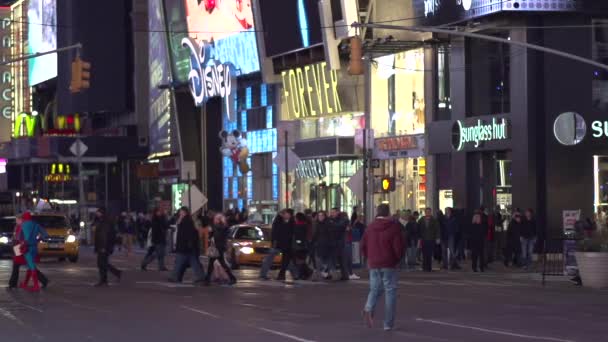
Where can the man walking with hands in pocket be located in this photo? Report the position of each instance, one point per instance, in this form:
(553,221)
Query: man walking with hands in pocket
(382,246)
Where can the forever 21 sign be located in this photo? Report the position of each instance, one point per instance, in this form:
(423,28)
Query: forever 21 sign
(208,77)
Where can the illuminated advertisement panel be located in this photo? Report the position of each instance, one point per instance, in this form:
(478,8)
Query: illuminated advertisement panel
(42,37)
(229,25)
(6,87)
(290,25)
(213,20)
(160,99)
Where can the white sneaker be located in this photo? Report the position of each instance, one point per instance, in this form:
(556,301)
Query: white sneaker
(354,277)
(324,274)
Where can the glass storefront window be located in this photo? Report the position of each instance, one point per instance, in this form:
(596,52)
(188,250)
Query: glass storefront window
(329,190)
(334,126)
(488,78)
(398,94)
(444,104)
(410,190)
(600,54)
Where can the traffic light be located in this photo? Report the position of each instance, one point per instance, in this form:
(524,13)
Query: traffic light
(355,66)
(387,184)
(81,75)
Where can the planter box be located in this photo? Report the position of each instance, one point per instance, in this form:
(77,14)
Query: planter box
(593,269)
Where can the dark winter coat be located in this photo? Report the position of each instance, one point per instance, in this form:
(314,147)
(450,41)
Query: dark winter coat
(449,229)
(338,230)
(528,230)
(382,243)
(322,238)
(412,231)
(159,230)
(282,234)
(300,233)
(431,231)
(105,236)
(187,240)
(220,237)
(514,232)
(477,233)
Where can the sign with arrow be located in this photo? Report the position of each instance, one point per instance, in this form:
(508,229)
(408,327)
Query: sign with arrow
(196,197)
(355,183)
(292,162)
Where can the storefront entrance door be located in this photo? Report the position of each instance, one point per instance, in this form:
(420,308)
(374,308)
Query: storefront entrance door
(325,197)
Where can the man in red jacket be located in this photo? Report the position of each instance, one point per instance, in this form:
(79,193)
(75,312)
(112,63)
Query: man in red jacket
(382,246)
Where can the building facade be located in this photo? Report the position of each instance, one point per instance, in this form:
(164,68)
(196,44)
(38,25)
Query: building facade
(501,138)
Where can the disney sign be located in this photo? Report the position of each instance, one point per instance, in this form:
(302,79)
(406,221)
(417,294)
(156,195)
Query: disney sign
(208,77)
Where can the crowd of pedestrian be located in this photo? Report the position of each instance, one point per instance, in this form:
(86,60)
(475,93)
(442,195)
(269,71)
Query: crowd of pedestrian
(314,245)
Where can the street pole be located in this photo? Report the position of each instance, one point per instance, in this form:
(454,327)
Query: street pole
(368,186)
(81,199)
(286,170)
(106,186)
(189,193)
(128,186)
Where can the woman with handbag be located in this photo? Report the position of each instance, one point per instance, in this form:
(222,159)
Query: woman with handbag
(217,248)
(30,233)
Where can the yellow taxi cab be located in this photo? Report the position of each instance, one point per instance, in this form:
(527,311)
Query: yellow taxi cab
(248,244)
(62,242)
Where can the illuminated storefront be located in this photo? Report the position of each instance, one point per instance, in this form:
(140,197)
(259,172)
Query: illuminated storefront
(398,122)
(226,127)
(323,106)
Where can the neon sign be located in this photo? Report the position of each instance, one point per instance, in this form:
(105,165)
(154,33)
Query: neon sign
(209,78)
(59,173)
(24,125)
(311,91)
(479,133)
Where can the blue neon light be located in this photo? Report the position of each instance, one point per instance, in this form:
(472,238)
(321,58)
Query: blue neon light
(303,18)
(263,95)
(240,50)
(269,117)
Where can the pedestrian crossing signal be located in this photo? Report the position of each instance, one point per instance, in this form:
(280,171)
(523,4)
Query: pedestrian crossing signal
(388,184)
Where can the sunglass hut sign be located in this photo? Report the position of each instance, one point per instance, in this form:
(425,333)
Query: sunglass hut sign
(475,135)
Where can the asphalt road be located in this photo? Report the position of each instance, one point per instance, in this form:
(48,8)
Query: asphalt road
(432,308)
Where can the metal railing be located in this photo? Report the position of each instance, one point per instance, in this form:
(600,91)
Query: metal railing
(557,256)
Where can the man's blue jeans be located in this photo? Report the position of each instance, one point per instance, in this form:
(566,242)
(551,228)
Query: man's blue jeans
(268,261)
(527,249)
(181,261)
(383,280)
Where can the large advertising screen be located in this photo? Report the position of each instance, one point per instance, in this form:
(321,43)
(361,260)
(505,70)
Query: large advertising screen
(42,37)
(290,25)
(229,25)
(160,99)
(213,20)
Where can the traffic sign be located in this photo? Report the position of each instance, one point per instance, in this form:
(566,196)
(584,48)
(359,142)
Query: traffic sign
(196,197)
(79,148)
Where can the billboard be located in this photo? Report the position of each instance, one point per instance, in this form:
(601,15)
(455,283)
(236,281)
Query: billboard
(42,37)
(229,25)
(160,99)
(290,25)
(212,20)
